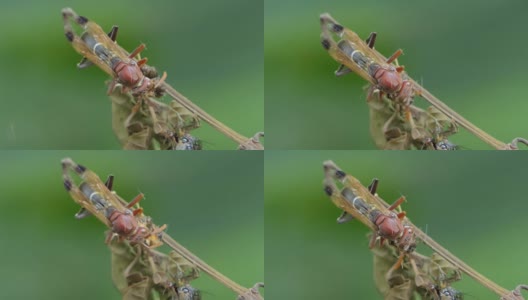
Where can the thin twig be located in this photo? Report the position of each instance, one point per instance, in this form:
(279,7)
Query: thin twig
(188,255)
(481,134)
(202,114)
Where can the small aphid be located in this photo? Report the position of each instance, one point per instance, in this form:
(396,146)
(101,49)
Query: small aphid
(188,142)
(187,292)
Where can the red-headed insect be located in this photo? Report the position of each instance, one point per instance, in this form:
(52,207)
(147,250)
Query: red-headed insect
(100,48)
(355,199)
(97,198)
(387,224)
(359,56)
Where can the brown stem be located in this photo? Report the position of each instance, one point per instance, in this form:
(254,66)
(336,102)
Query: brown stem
(481,134)
(451,258)
(167,239)
(183,101)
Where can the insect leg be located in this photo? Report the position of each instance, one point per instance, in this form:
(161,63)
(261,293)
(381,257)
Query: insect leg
(342,70)
(419,279)
(373,187)
(415,133)
(158,230)
(397,203)
(128,269)
(373,240)
(109,183)
(394,56)
(399,262)
(112,34)
(142,62)
(134,202)
(371,40)
(389,122)
(161,80)
(137,51)
(133,112)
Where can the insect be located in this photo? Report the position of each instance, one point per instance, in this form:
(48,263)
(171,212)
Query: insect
(438,140)
(429,276)
(187,292)
(357,55)
(439,274)
(439,144)
(171,122)
(188,142)
(147,273)
(97,198)
(386,223)
(371,198)
(131,74)
(100,48)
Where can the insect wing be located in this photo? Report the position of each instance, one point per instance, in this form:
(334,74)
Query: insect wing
(97,185)
(102,37)
(340,199)
(340,51)
(80,46)
(353,183)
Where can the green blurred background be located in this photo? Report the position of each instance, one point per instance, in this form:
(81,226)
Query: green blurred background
(470,54)
(211,50)
(212,203)
(473,204)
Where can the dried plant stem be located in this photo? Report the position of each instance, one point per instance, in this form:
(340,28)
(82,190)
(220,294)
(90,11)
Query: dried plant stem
(237,288)
(188,104)
(481,134)
(451,258)
(455,261)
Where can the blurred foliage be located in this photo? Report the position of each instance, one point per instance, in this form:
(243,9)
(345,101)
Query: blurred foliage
(467,201)
(212,52)
(48,254)
(468,54)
